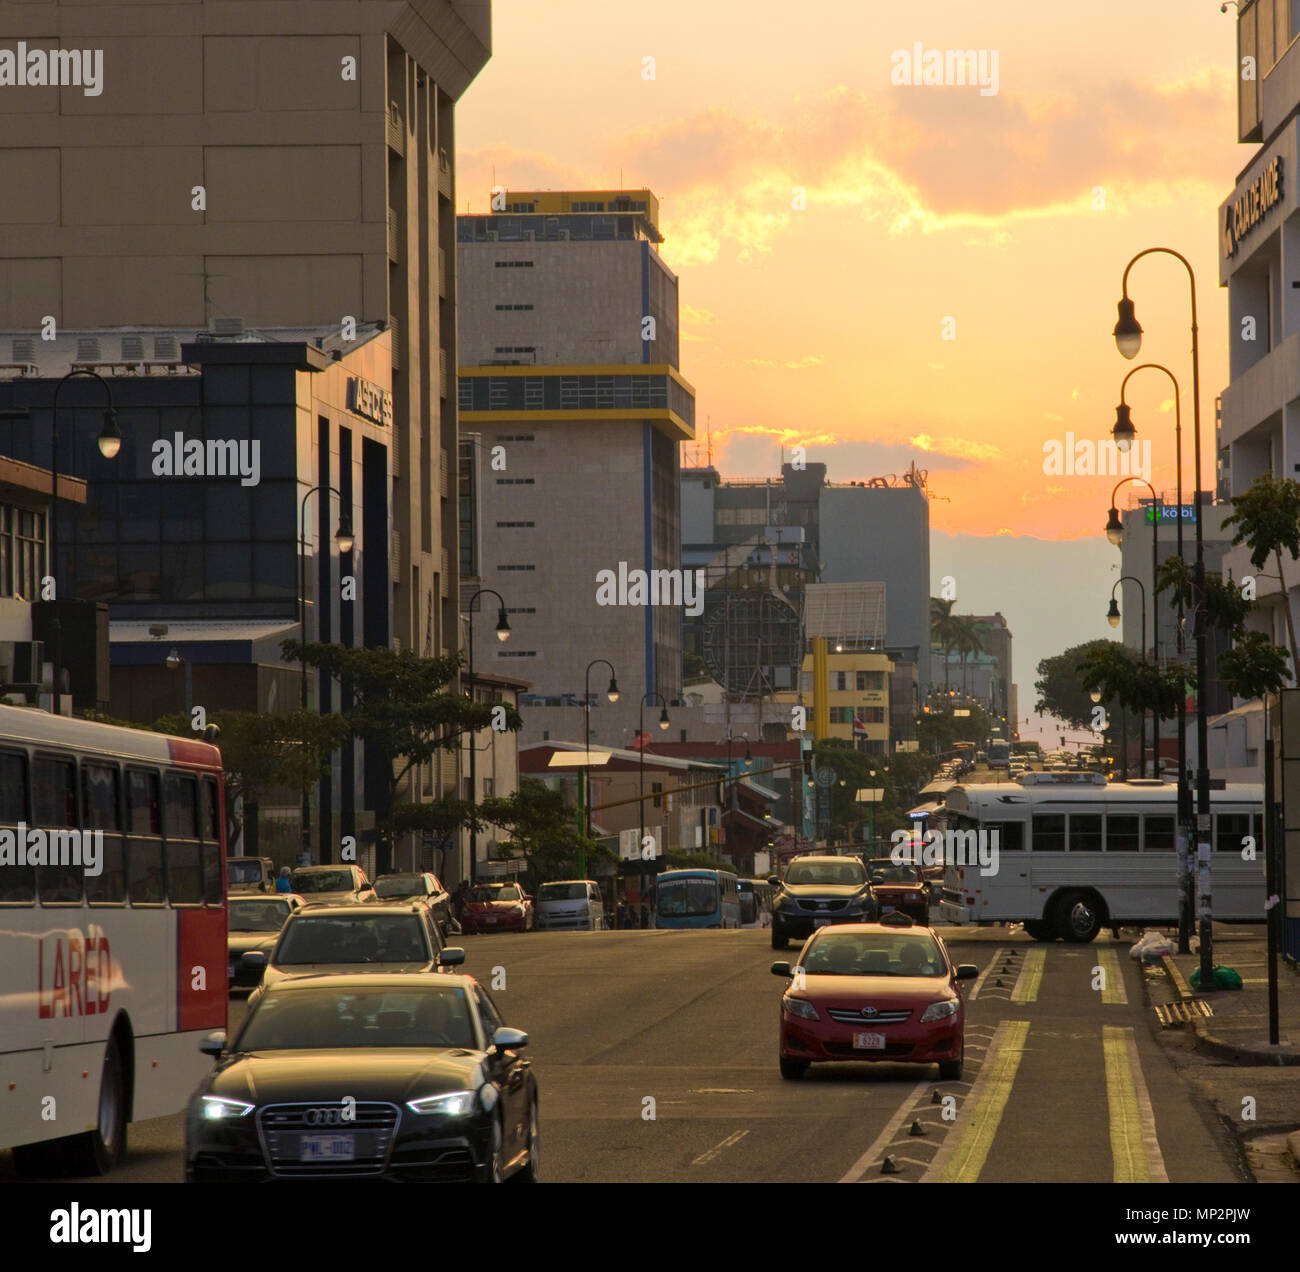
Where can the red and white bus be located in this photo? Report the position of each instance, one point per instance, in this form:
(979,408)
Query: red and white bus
(112,933)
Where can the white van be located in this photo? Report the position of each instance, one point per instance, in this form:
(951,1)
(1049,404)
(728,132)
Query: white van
(569,904)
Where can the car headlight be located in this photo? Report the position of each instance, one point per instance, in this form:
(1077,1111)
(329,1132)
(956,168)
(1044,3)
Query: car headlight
(800,1007)
(452,1103)
(939,1011)
(216,1107)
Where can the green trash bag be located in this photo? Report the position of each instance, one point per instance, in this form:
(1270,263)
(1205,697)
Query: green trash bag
(1224,978)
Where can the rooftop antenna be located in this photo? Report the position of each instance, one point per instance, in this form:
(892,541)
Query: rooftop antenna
(708,438)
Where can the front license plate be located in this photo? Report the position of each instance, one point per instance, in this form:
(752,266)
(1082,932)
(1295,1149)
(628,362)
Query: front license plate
(820,922)
(868,1042)
(492,918)
(232,971)
(319,1148)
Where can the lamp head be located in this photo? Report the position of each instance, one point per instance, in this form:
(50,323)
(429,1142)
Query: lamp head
(110,438)
(1123,430)
(1115,528)
(503,625)
(612,692)
(664,721)
(1112,614)
(1128,331)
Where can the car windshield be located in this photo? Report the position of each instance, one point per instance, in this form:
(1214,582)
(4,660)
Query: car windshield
(840,873)
(400,886)
(888,872)
(497,892)
(562,892)
(244,871)
(298,1019)
(686,898)
(322,881)
(363,938)
(873,954)
(257,916)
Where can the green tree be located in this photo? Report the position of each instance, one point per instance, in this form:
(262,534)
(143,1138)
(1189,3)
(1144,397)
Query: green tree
(541,831)
(945,630)
(261,753)
(401,709)
(969,642)
(1060,689)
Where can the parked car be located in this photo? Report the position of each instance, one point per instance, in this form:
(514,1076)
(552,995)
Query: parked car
(817,891)
(409,1078)
(874,991)
(249,874)
(401,936)
(421,886)
(569,903)
(253,924)
(497,907)
(331,885)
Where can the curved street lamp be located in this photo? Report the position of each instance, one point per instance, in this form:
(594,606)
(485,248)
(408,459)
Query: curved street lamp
(612,694)
(503,635)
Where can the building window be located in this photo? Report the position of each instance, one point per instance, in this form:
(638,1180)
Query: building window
(874,680)
(515,481)
(513,264)
(22,552)
(872,715)
(516,653)
(523,609)
(512,525)
(512,307)
(516,567)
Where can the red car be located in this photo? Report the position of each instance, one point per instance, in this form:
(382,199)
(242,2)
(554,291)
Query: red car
(899,886)
(873,991)
(497,907)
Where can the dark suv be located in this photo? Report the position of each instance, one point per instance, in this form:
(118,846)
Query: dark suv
(398,937)
(817,891)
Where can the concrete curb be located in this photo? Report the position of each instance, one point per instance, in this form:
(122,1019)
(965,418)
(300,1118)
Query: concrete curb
(1211,1045)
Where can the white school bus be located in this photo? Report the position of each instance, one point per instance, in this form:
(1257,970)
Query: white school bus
(1077,853)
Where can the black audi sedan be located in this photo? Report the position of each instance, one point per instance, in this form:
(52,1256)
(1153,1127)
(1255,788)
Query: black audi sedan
(409,1077)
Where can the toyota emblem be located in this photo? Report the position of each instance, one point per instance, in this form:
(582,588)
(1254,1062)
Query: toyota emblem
(868,1011)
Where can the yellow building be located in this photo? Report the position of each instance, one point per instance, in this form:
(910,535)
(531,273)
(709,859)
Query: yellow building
(856,698)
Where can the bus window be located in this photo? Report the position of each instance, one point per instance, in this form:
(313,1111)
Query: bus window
(210,813)
(1049,832)
(181,823)
(144,870)
(1230,829)
(1122,832)
(17,883)
(1011,835)
(1157,834)
(1085,832)
(100,785)
(54,807)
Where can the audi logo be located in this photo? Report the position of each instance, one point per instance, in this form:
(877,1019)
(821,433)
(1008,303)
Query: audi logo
(323,1117)
(868,1011)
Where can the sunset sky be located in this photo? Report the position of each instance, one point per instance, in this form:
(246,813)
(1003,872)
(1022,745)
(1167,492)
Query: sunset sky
(824,327)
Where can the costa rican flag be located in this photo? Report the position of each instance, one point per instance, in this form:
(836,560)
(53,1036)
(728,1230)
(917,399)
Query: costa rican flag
(859,729)
(640,742)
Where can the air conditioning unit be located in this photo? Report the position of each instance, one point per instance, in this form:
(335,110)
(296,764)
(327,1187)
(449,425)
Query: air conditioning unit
(88,349)
(166,349)
(396,560)
(227,327)
(132,348)
(24,350)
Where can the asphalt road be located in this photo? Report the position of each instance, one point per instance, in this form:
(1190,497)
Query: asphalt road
(656,1058)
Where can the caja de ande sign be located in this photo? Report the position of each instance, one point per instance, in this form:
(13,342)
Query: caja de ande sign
(1242,215)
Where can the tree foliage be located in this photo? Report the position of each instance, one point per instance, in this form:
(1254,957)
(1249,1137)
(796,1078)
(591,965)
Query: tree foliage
(1060,688)
(541,830)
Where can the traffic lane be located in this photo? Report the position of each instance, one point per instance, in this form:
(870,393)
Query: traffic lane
(665,1067)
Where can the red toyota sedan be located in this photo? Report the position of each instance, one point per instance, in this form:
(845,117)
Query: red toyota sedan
(873,991)
(898,886)
(497,907)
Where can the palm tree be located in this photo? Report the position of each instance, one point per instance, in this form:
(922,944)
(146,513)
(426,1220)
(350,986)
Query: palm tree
(945,630)
(969,641)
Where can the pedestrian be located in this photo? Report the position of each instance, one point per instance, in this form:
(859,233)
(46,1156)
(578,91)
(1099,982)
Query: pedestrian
(621,915)
(645,915)
(282,883)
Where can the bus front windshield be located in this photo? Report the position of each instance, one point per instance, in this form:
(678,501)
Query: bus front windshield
(687,898)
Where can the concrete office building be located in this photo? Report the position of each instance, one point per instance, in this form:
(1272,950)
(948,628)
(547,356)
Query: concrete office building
(249,169)
(572,407)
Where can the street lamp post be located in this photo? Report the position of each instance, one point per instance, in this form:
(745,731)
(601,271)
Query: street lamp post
(1115,533)
(1113,617)
(612,694)
(1128,339)
(503,634)
(110,442)
(345,540)
(664,723)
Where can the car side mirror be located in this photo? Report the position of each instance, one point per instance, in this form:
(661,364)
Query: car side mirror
(509,1039)
(213,1044)
(255,958)
(774,881)
(967,971)
(781,969)
(452,956)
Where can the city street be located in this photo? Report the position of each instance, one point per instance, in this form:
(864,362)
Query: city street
(655,1054)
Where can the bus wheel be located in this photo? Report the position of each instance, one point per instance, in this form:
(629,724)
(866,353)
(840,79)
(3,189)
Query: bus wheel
(97,1152)
(1078,917)
(1039,929)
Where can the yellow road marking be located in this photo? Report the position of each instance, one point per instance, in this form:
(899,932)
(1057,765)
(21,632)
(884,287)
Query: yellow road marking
(708,1156)
(1113,990)
(1133,1143)
(982,1110)
(1030,978)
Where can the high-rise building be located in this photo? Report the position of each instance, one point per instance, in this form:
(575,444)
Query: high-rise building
(572,407)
